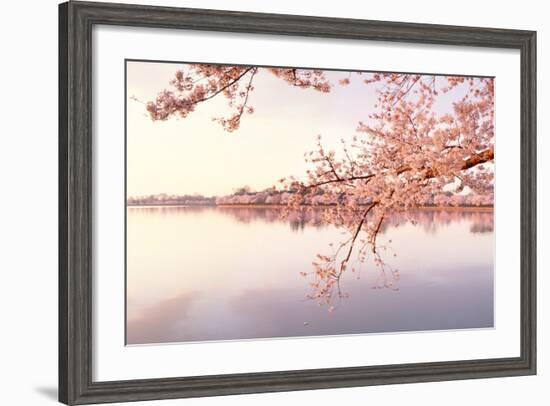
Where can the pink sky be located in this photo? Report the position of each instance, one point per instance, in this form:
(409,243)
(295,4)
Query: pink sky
(195,155)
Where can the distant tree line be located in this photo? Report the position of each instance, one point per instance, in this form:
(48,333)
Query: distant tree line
(246,196)
(164,199)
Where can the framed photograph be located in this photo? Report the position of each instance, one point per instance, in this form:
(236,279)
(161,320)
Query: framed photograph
(257,202)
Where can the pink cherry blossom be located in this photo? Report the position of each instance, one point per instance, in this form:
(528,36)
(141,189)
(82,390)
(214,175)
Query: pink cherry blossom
(404,155)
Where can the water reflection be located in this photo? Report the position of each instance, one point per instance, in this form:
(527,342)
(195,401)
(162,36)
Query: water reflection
(217,273)
(480,218)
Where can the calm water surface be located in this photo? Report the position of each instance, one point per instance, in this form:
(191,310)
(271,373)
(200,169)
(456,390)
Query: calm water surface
(206,273)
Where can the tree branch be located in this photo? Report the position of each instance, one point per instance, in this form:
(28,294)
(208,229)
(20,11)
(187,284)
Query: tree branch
(357,230)
(247,94)
(220,90)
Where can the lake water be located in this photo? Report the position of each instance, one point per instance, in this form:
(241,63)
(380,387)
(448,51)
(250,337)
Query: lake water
(222,273)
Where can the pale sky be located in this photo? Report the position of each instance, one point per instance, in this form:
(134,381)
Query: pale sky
(195,155)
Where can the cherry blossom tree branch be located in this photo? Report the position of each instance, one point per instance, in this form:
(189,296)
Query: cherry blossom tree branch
(228,85)
(404,154)
(204,82)
(357,231)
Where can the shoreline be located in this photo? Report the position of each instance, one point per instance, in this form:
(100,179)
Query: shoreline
(282,206)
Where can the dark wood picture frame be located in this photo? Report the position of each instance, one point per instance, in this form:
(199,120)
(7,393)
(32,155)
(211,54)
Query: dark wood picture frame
(76,20)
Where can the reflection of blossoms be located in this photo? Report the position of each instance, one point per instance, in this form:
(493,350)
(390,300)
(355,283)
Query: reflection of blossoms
(429,219)
(324,283)
(404,155)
